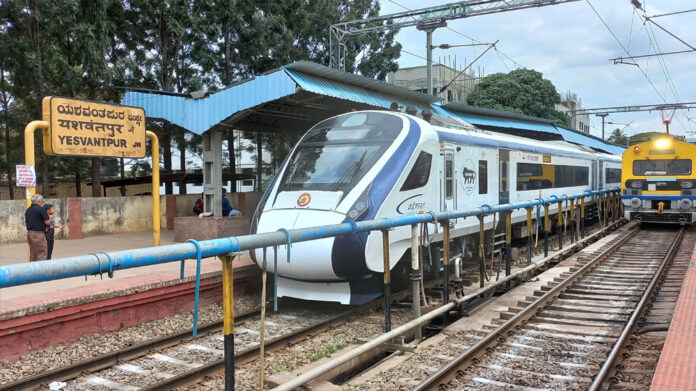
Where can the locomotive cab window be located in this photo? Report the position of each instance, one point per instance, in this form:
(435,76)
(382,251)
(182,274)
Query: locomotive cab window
(650,167)
(335,154)
(420,173)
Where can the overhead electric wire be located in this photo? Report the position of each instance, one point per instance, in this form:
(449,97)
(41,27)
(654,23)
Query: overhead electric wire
(465,36)
(673,13)
(663,64)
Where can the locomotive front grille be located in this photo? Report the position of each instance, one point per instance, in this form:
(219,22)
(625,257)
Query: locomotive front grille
(654,217)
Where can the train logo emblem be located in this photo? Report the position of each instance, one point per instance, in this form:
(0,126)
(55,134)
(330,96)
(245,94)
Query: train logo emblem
(304,199)
(469,174)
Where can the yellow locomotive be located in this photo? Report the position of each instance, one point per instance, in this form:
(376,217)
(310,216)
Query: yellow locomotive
(658,184)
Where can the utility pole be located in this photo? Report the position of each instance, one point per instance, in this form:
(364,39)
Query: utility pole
(429,28)
(603,115)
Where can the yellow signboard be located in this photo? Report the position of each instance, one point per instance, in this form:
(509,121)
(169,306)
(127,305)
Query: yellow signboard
(84,128)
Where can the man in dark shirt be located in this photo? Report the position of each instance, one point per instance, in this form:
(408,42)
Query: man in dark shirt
(37,220)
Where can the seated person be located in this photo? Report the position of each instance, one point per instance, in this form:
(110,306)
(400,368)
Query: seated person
(198,207)
(227,209)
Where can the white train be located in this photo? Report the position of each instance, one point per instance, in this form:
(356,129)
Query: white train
(373,164)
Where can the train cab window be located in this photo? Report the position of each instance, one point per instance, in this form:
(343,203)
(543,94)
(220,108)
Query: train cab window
(483,176)
(336,153)
(662,167)
(449,176)
(420,173)
(612,175)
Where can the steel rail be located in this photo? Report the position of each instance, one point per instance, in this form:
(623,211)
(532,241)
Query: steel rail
(251,354)
(477,350)
(637,313)
(112,358)
(401,330)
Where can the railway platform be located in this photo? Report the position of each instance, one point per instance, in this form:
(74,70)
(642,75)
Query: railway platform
(676,370)
(51,313)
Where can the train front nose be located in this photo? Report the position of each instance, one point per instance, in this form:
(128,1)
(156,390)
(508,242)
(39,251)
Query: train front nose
(309,261)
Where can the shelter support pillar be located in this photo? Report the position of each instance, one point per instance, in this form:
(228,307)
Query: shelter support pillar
(212,172)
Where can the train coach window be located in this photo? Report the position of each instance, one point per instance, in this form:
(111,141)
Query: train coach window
(420,173)
(612,175)
(449,176)
(483,177)
(662,167)
(569,176)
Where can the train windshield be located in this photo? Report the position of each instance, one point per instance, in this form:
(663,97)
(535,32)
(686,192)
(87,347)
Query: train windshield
(662,167)
(335,154)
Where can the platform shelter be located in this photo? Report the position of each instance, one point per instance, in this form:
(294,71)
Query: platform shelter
(296,96)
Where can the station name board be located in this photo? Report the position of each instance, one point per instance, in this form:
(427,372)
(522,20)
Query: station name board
(83,128)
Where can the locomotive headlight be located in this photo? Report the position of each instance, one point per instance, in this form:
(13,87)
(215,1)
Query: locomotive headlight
(685,203)
(687,185)
(635,202)
(662,143)
(636,184)
(360,206)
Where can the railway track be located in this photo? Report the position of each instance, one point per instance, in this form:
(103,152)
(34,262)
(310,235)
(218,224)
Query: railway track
(571,335)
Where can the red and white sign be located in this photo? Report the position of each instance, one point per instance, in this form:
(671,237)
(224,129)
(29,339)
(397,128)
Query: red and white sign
(26,176)
(303,200)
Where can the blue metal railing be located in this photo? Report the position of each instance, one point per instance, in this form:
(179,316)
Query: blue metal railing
(105,262)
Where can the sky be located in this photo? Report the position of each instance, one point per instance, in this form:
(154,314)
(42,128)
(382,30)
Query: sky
(571,44)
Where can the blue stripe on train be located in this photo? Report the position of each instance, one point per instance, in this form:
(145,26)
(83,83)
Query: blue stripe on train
(658,197)
(348,253)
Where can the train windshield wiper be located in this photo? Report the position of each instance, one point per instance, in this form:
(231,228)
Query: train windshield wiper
(352,172)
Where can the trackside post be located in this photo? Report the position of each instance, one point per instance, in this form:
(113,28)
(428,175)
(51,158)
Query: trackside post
(228,318)
(155,188)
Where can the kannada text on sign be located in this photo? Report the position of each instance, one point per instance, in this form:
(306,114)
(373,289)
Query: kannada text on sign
(95,129)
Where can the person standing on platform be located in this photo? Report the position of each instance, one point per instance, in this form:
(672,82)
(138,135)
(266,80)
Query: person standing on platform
(36,220)
(50,230)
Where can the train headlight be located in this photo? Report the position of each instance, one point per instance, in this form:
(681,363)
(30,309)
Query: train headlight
(360,206)
(685,203)
(687,185)
(662,143)
(635,202)
(636,184)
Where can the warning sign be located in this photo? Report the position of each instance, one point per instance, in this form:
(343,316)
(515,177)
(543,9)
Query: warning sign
(78,127)
(26,176)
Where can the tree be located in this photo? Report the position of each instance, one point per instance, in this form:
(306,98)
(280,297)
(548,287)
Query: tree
(522,91)
(618,137)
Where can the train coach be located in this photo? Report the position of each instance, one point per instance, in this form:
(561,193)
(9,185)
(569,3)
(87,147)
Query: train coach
(658,184)
(375,164)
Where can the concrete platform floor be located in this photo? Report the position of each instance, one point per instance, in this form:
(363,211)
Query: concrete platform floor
(14,298)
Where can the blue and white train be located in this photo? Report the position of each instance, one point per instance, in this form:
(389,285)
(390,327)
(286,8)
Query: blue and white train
(373,164)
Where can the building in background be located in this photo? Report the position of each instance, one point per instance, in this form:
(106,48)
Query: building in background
(569,103)
(415,79)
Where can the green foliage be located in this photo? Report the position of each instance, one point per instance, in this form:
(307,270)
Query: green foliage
(523,91)
(87,49)
(324,352)
(618,137)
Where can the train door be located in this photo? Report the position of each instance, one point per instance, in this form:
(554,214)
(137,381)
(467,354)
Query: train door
(504,175)
(449,183)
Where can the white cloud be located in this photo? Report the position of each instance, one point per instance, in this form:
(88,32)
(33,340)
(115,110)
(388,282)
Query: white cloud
(571,46)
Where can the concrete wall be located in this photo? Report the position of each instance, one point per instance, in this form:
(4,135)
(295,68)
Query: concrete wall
(12,226)
(109,215)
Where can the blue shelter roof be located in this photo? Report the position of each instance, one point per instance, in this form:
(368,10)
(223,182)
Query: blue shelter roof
(298,95)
